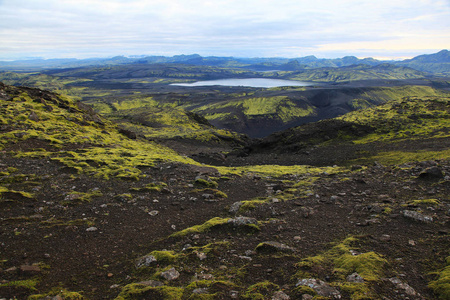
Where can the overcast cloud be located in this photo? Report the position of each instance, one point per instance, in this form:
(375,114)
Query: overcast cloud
(245,28)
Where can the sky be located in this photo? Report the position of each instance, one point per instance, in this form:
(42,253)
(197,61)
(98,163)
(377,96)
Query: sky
(384,29)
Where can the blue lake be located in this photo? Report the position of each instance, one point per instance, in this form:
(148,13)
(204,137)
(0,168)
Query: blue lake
(251,82)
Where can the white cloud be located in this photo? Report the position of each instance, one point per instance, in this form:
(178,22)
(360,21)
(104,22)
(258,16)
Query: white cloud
(326,28)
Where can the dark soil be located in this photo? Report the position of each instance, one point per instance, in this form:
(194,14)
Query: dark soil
(48,231)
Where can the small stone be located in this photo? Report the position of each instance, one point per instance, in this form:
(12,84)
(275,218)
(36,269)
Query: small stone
(12,269)
(271,246)
(417,216)
(411,243)
(33,117)
(153,213)
(234,208)
(241,221)
(152,283)
(145,261)
(297,238)
(320,287)
(407,289)
(200,291)
(91,229)
(114,286)
(275,200)
(30,268)
(432,173)
(280,295)
(234,294)
(110,275)
(355,277)
(170,274)
(385,238)
(205,276)
(201,255)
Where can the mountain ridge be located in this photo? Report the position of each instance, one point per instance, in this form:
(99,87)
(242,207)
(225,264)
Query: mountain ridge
(261,63)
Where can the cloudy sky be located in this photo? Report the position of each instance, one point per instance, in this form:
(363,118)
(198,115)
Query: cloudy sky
(243,28)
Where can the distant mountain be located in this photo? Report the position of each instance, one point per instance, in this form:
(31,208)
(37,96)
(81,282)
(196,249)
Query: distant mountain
(438,63)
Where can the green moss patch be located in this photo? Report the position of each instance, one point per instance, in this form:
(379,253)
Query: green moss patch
(137,291)
(441,286)
(208,225)
(261,290)
(29,284)
(63,293)
(342,260)
(210,289)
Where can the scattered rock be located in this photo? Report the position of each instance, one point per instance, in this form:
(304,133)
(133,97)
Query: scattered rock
(234,208)
(33,117)
(153,213)
(404,287)
(12,269)
(417,216)
(201,255)
(271,247)
(320,287)
(280,295)
(204,276)
(152,283)
(385,238)
(145,261)
(234,294)
(355,277)
(241,221)
(208,196)
(170,274)
(432,173)
(201,291)
(128,133)
(30,268)
(91,229)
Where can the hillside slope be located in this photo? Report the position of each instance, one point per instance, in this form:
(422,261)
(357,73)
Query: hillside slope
(92,211)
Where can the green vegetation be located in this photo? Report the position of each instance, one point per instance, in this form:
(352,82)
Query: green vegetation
(441,286)
(136,291)
(151,187)
(206,183)
(279,171)
(214,289)
(164,256)
(406,118)
(341,261)
(103,151)
(78,197)
(278,107)
(401,157)
(4,191)
(29,284)
(76,222)
(208,225)
(63,293)
(432,202)
(261,290)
